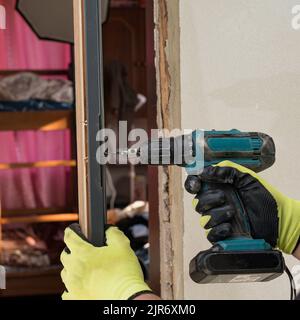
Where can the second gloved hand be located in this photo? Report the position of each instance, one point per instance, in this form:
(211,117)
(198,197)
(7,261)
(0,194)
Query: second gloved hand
(111,272)
(272,216)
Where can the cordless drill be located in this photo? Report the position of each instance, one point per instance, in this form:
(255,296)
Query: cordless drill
(240,258)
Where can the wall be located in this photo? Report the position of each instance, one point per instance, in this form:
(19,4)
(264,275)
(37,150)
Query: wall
(240,68)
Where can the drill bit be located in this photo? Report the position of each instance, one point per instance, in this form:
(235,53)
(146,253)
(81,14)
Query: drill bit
(130,154)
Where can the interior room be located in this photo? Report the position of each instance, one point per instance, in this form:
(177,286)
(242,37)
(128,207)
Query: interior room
(38,170)
(212,210)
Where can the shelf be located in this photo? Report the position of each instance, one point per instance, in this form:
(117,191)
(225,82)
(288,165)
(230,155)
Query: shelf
(38,211)
(30,282)
(41,72)
(36,120)
(61,217)
(38,164)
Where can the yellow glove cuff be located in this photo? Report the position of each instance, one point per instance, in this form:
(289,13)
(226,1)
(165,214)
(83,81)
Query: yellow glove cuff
(131,289)
(289,225)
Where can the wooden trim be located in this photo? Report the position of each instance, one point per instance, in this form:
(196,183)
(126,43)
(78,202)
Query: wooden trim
(36,120)
(90,118)
(81,116)
(169,117)
(154,230)
(38,164)
(62,217)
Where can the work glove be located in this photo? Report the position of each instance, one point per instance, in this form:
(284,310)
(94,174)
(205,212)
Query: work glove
(272,216)
(111,272)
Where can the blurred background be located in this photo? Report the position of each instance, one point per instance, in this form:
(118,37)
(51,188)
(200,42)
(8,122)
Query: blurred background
(38,174)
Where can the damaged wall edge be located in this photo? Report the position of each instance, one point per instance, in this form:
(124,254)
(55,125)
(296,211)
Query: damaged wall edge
(167,60)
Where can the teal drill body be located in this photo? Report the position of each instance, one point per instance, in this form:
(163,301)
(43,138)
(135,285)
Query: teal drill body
(240,258)
(253,150)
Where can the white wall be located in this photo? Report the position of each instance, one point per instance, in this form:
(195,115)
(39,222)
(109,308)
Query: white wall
(240,68)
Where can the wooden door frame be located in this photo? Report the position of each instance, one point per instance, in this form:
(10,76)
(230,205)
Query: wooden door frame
(165,185)
(154,230)
(167,57)
(89,117)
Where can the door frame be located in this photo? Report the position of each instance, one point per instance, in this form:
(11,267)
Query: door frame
(165,184)
(167,57)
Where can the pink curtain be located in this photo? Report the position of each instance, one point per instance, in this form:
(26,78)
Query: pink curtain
(38,187)
(20,48)
(32,188)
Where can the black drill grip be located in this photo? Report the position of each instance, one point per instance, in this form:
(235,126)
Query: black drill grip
(239,223)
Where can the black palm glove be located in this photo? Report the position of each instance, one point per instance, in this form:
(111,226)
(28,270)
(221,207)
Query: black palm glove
(271,215)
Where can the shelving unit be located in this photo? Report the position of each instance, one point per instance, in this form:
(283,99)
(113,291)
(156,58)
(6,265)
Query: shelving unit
(125,39)
(30,282)
(39,281)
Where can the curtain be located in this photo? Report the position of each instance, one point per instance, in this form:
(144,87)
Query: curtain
(20,48)
(37,187)
(32,188)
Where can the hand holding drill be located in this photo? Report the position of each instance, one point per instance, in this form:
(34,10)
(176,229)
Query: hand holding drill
(273,216)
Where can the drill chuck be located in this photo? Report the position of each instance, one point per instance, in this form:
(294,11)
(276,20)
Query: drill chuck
(168,151)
